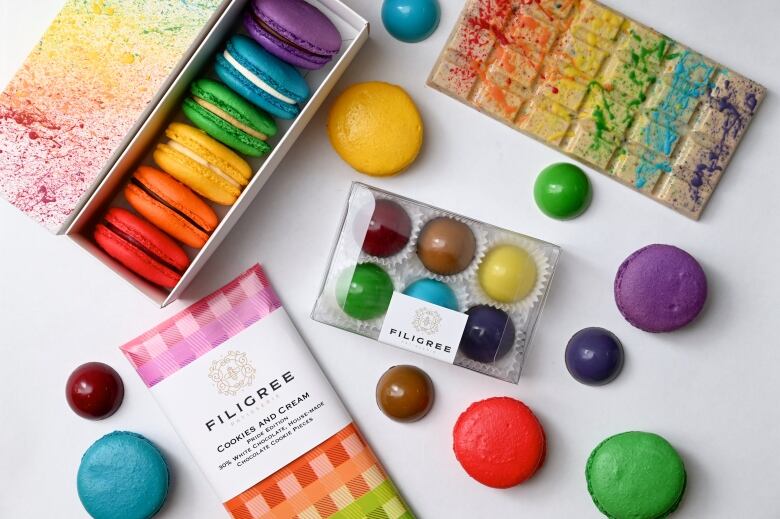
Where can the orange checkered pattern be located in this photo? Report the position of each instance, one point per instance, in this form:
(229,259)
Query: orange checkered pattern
(339,479)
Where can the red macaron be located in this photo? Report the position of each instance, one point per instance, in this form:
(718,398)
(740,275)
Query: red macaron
(499,442)
(141,247)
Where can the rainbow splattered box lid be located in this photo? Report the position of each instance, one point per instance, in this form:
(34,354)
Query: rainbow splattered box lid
(83,91)
(604,89)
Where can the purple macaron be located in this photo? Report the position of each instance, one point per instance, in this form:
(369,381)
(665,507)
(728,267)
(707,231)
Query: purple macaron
(294,31)
(660,288)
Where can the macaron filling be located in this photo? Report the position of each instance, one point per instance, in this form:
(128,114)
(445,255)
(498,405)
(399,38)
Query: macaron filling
(140,246)
(230,119)
(266,27)
(143,187)
(194,156)
(259,83)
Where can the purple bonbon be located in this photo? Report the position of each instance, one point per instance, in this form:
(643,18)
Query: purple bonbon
(594,356)
(489,334)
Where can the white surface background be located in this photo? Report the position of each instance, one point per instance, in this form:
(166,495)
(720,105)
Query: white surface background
(711,389)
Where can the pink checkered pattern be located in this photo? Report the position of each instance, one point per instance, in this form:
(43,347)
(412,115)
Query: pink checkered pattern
(198,329)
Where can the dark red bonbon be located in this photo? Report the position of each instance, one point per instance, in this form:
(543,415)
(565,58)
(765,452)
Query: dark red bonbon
(94,391)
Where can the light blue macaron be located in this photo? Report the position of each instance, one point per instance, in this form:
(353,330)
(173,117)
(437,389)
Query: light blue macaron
(261,78)
(434,292)
(122,476)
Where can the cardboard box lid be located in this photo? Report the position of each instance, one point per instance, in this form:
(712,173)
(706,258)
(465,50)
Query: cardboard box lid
(83,91)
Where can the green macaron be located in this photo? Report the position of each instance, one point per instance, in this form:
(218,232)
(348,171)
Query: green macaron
(635,475)
(227,117)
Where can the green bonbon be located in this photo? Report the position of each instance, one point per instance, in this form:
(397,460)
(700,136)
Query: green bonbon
(364,293)
(562,191)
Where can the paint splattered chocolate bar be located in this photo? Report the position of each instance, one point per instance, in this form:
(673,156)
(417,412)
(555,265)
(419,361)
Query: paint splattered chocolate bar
(604,89)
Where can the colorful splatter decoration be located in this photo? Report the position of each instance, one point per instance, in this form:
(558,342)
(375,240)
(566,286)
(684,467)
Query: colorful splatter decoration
(81,91)
(604,89)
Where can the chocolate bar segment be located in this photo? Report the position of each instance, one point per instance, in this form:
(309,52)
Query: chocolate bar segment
(604,89)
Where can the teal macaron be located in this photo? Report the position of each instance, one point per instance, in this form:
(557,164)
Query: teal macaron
(226,116)
(261,78)
(122,476)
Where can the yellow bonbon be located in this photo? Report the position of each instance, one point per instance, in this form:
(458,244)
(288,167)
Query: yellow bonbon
(507,274)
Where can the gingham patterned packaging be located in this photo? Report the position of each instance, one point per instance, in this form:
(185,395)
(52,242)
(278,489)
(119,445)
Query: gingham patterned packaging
(251,404)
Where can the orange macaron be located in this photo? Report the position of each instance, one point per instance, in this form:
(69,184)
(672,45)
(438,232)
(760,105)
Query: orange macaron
(171,206)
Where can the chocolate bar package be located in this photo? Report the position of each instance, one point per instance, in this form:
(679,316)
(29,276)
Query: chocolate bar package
(258,415)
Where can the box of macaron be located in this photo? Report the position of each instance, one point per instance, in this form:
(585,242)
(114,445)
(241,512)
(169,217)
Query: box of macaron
(159,199)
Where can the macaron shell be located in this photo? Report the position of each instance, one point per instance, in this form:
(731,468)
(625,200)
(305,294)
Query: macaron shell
(636,475)
(176,195)
(282,49)
(293,31)
(220,95)
(376,128)
(149,235)
(122,476)
(499,442)
(196,176)
(301,23)
(276,74)
(179,196)
(136,259)
(223,131)
(211,151)
(660,288)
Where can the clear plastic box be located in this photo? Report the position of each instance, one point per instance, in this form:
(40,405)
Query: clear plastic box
(435,282)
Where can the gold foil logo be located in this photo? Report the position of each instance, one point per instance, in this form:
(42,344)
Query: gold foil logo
(426,321)
(232,373)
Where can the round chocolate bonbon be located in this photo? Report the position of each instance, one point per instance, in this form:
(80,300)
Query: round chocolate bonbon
(594,356)
(562,191)
(410,21)
(446,246)
(388,230)
(507,273)
(405,393)
(94,391)
(364,292)
(489,334)
(434,292)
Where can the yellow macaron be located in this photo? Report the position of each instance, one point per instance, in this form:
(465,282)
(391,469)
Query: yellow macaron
(206,166)
(376,128)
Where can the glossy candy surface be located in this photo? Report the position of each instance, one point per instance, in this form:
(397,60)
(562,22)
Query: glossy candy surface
(410,21)
(388,230)
(364,292)
(94,391)
(434,292)
(446,246)
(405,393)
(489,334)
(594,356)
(507,274)
(562,191)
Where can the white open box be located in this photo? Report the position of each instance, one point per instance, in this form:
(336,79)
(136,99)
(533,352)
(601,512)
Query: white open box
(354,31)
